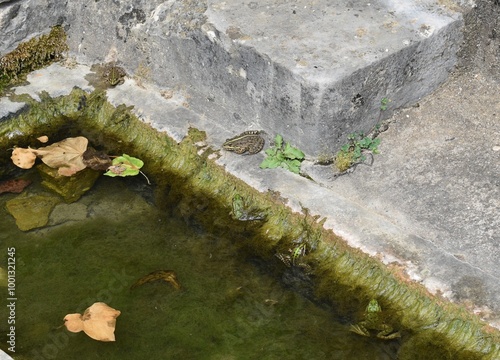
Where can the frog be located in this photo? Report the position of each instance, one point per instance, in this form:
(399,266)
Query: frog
(373,321)
(243,211)
(248,141)
(293,259)
(114,75)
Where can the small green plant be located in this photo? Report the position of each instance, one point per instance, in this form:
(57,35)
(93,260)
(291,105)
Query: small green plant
(283,155)
(353,152)
(383,104)
(358,144)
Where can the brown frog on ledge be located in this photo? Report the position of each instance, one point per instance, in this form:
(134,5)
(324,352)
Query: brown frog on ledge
(114,75)
(248,141)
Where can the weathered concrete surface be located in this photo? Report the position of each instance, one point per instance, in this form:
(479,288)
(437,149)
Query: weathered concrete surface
(312,71)
(20,20)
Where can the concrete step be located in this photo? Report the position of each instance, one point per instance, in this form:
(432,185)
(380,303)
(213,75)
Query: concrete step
(316,71)
(313,71)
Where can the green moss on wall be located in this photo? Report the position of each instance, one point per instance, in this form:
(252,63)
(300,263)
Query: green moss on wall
(31,55)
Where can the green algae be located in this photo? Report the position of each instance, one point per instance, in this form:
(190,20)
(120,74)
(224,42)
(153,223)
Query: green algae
(201,192)
(70,188)
(32,211)
(227,306)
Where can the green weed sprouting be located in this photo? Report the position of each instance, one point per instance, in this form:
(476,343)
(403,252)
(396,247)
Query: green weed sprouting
(358,144)
(353,152)
(283,155)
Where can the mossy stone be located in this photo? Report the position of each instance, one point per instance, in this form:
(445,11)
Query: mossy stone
(31,212)
(71,188)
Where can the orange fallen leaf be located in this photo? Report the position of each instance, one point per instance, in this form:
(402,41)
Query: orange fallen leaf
(23,158)
(98,322)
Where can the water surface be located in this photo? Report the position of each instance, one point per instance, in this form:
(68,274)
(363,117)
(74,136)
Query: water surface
(227,308)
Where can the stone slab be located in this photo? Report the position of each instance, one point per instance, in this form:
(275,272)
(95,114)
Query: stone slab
(316,71)
(312,71)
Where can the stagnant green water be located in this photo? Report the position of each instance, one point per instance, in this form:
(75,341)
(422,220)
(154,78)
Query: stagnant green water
(228,307)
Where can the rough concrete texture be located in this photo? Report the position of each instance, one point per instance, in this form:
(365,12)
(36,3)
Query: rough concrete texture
(314,71)
(20,20)
(310,70)
(429,202)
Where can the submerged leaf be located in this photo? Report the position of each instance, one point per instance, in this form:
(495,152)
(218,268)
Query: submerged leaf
(13,185)
(164,275)
(98,322)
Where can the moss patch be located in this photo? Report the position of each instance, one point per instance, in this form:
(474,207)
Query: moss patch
(31,55)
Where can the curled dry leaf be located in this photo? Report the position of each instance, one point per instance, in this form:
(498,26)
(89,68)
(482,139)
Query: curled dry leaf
(43,138)
(23,158)
(98,322)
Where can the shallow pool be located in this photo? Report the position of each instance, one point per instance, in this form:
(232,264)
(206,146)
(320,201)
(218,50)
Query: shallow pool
(229,307)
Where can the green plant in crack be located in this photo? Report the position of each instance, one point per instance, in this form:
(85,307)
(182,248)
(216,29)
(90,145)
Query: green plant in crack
(360,144)
(384,103)
(284,155)
(354,151)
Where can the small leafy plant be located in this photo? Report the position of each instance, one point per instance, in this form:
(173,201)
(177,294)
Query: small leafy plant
(354,151)
(283,155)
(359,144)
(383,104)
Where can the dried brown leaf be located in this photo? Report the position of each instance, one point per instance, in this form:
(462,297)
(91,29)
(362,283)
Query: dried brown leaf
(23,158)
(98,322)
(65,155)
